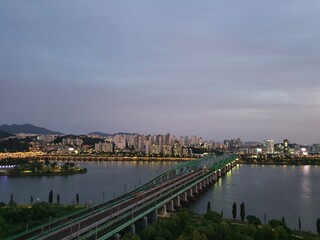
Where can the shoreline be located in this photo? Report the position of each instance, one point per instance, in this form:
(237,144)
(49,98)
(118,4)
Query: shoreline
(281,163)
(114,158)
(39,174)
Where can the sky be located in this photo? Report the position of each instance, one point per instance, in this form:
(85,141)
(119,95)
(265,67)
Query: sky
(216,69)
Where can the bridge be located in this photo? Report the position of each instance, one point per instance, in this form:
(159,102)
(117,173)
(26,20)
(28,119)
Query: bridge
(165,193)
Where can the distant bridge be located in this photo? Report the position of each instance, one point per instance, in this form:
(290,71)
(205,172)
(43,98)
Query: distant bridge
(165,193)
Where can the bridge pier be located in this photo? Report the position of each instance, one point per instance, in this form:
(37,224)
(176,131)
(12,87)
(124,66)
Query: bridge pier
(234,164)
(195,190)
(133,228)
(153,216)
(219,174)
(176,202)
(117,236)
(162,211)
(210,179)
(184,198)
(170,206)
(215,176)
(204,184)
(223,171)
(143,222)
(190,194)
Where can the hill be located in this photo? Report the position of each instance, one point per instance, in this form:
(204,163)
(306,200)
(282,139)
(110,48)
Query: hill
(4,134)
(100,134)
(27,128)
(124,133)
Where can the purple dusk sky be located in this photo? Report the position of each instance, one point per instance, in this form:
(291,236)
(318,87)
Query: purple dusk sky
(217,69)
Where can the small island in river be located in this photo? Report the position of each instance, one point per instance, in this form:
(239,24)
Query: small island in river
(43,168)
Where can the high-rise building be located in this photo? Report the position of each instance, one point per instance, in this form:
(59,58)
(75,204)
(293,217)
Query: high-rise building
(148,144)
(270,146)
(285,145)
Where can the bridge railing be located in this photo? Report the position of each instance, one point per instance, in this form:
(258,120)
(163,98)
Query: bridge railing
(161,199)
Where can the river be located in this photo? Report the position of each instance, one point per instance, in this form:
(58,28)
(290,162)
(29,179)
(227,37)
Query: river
(277,191)
(289,191)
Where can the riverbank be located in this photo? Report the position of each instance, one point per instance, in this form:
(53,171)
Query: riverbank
(97,158)
(185,224)
(281,162)
(12,222)
(182,224)
(39,174)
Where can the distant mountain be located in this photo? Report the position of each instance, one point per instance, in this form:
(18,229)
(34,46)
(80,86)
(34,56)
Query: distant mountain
(123,133)
(100,134)
(4,134)
(27,128)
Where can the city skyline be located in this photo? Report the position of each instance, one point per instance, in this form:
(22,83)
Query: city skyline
(216,70)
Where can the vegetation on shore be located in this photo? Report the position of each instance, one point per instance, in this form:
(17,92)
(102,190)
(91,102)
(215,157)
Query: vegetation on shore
(18,218)
(185,225)
(38,168)
(182,225)
(280,160)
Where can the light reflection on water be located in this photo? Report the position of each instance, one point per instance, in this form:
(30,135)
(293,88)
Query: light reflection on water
(289,191)
(104,178)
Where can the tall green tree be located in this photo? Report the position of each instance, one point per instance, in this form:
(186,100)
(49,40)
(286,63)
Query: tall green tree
(58,199)
(208,206)
(50,199)
(234,211)
(299,224)
(11,202)
(242,211)
(77,198)
(283,220)
(318,226)
(31,200)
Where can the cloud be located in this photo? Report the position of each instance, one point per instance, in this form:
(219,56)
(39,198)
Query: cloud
(216,69)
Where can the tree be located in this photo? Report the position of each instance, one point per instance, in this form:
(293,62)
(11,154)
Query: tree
(131,236)
(234,211)
(283,220)
(318,226)
(3,227)
(31,200)
(208,206)
(77,198)
(253,220)
(299,224)
(50,199)
(221,213)
(58,198)
(242,211)
(11,202)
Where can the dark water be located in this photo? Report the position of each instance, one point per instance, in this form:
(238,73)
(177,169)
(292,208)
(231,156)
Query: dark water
(289,191)
(101,182)
(275,190)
